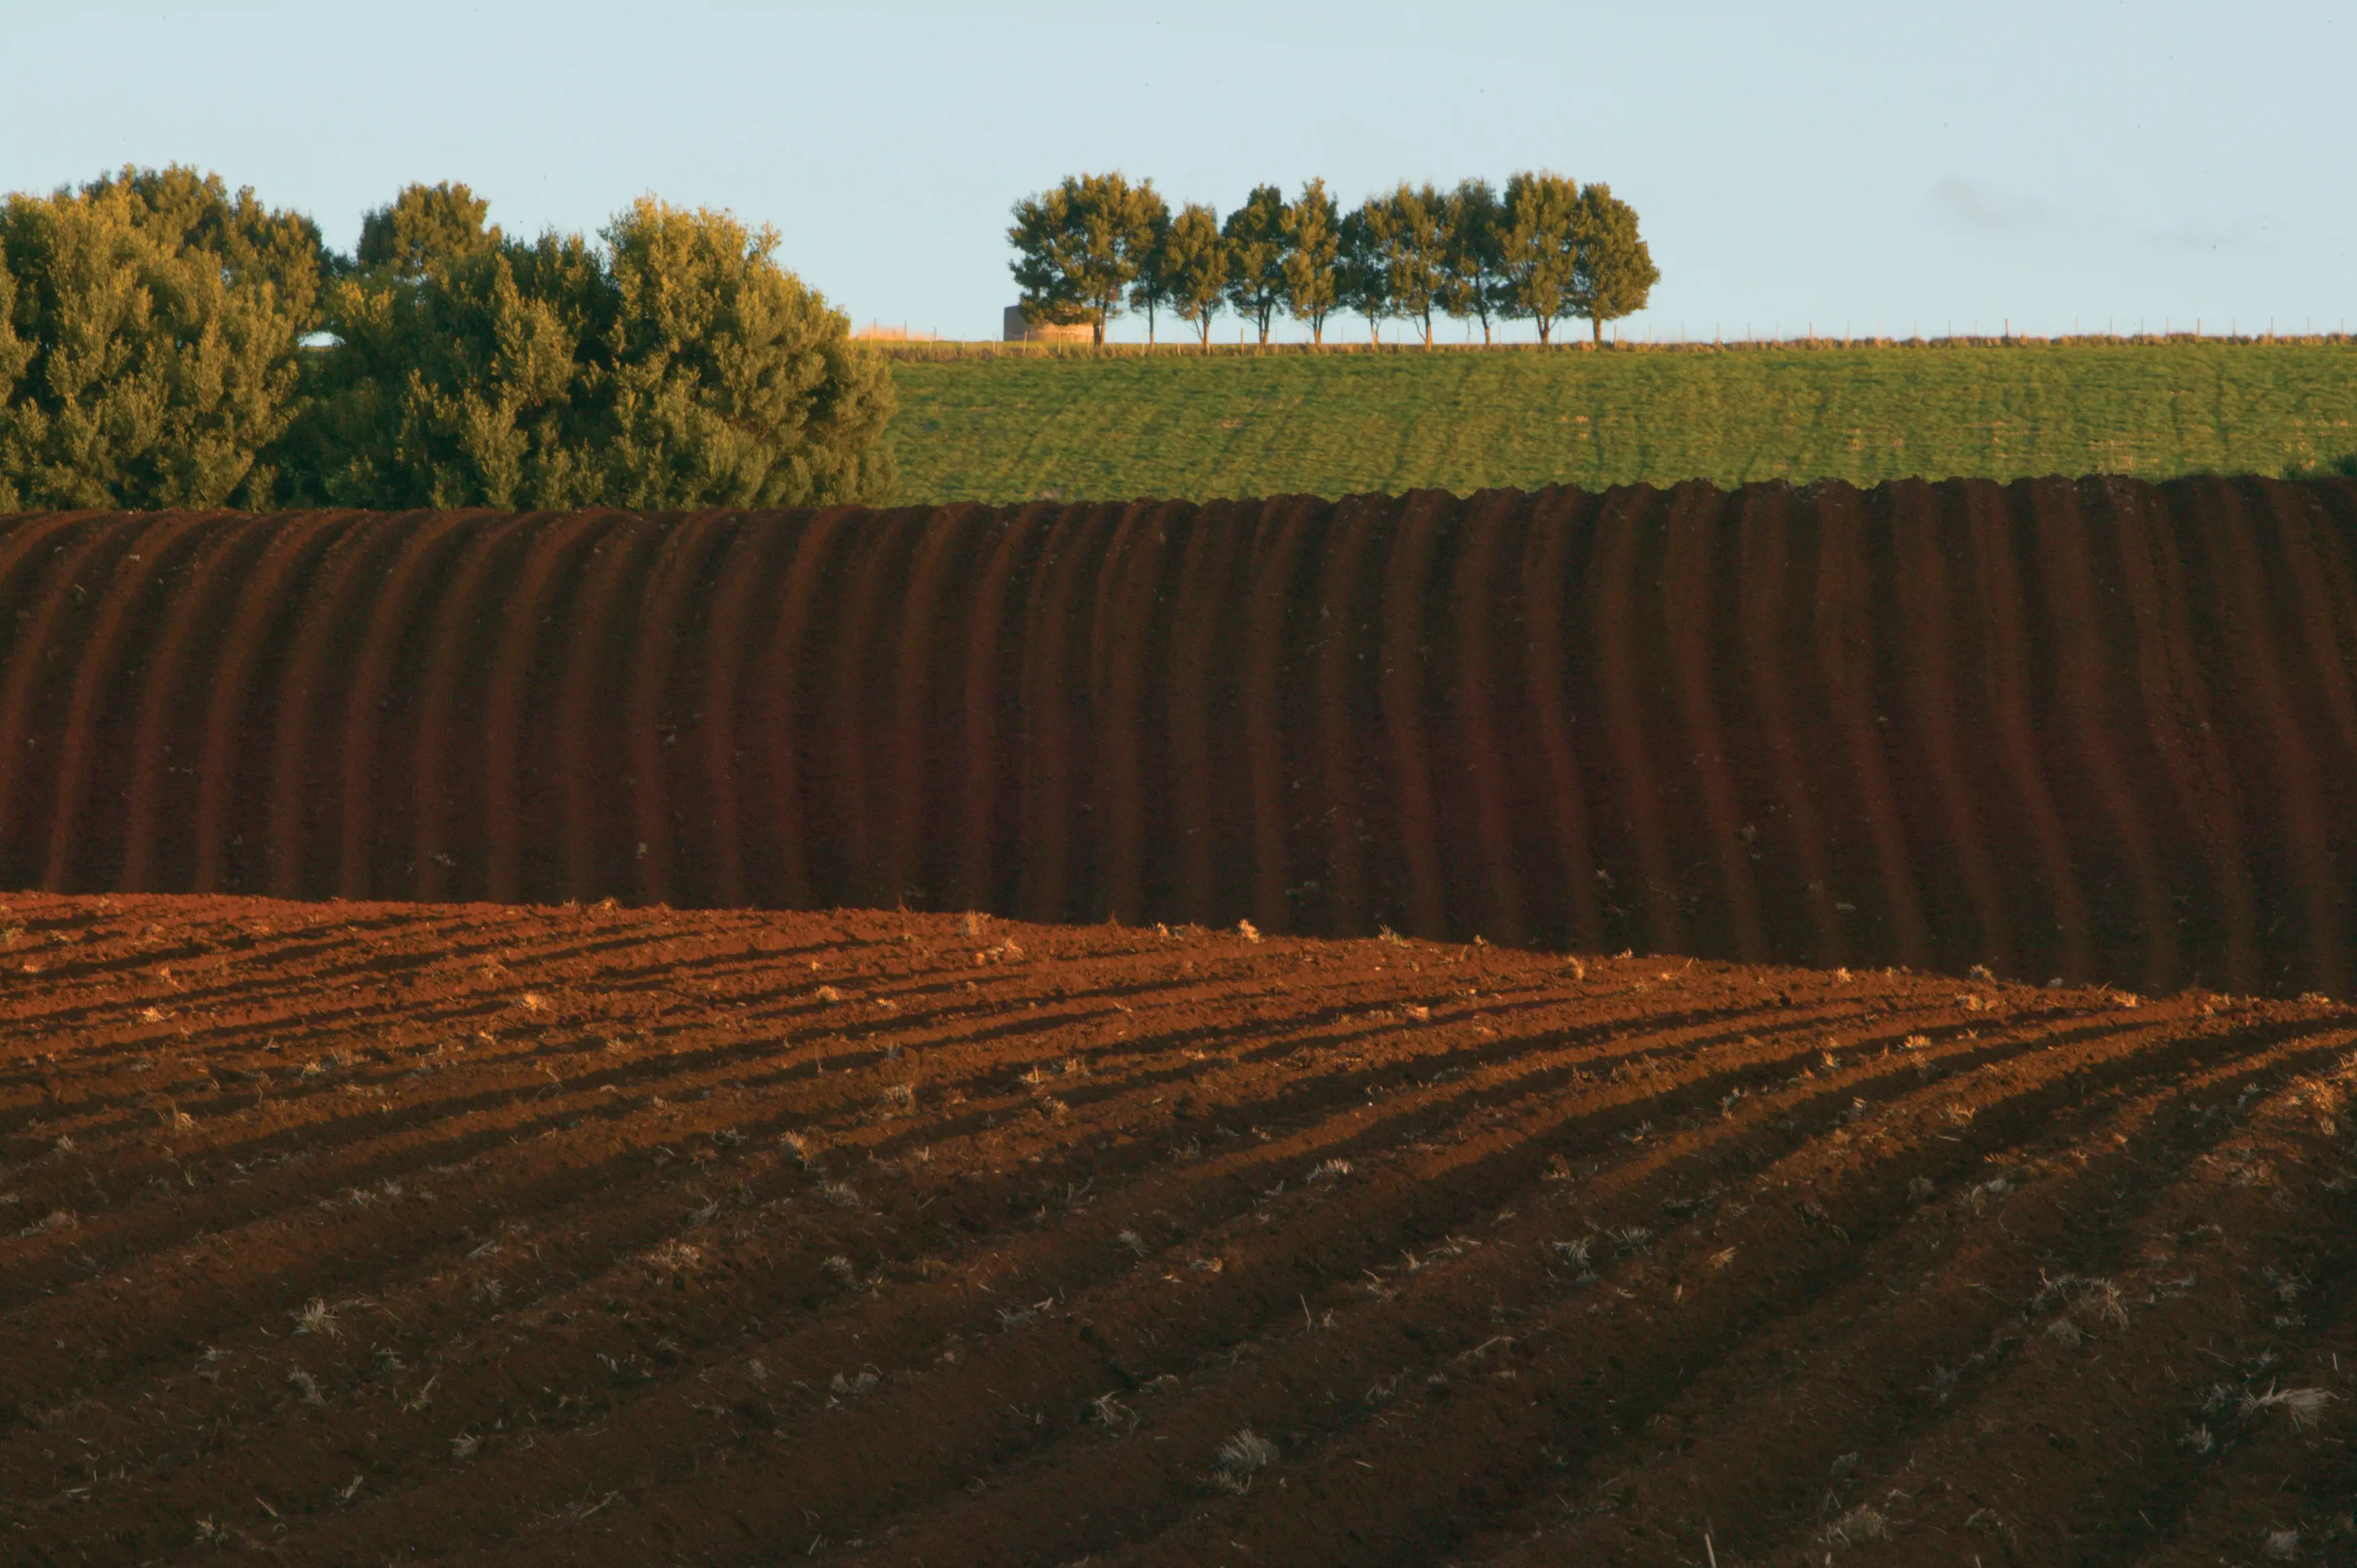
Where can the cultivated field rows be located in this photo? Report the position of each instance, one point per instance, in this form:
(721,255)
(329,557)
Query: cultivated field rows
(361,1233)
(1007,423)
(2097,730)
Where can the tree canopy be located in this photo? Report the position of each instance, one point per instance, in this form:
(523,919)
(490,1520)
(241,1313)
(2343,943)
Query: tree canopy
(1539,248)
(1362,269)
(1078,248)
(1197,263)
(153,321)
(1404,230)
(1255,237)
(424,227)
(1615,272)
(253,244)
(1151,292)
(1472,253)
(1544,249)
(733,384)
(15,353)
(679,365)
(1312,246)
(166,343)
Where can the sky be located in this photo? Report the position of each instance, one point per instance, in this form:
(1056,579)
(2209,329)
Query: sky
(1894,168)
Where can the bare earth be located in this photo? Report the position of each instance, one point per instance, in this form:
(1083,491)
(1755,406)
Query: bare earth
(364,1233)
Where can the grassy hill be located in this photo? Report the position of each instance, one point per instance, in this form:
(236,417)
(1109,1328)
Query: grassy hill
(980,424)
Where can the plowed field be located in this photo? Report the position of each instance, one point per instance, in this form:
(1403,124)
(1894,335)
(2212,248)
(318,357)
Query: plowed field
(365,1233)
(2103,731)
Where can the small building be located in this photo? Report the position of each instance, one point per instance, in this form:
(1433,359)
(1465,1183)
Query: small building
(1020,329)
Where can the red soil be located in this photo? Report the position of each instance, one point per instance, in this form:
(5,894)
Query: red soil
(2104,731)
(361,1233)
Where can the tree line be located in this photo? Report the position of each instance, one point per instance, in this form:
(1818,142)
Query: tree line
(166,343)
(1544,249)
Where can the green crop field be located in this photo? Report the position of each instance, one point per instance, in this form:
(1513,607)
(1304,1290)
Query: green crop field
(984,425)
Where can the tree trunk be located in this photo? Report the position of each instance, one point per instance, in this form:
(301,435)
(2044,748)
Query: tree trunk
(1598,319)
(1545,325)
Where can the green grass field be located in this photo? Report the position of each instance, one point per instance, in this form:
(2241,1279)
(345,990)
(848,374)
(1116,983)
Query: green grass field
(1000,428)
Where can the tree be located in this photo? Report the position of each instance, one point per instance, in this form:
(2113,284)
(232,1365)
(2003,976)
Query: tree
(1404,231)
(425,227)
(1539,248)
(732,384)
(1152,289)
(153,323)
(1311,258)
(253,244)
(679,367)
(15,353)
(1256,253)
(1362,280)
(1077,248)
(1614,273)
(472,385)
(1474,253)
(1199,265)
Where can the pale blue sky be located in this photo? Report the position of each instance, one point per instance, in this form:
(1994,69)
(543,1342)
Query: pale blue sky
(1845,166)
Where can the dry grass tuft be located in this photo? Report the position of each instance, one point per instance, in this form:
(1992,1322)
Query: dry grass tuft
(675,1255)
(2304,1407)
(1629,1239)
(316,1317)
(1112,1414)
(2081,1296)
(1861,1523)
(1240,1458)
